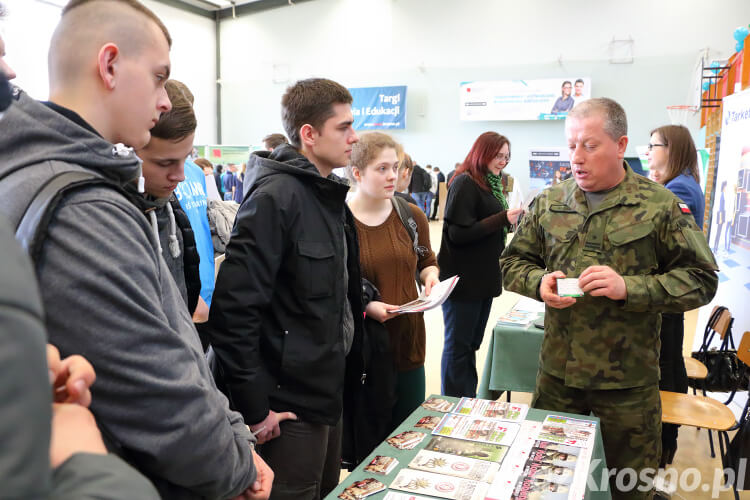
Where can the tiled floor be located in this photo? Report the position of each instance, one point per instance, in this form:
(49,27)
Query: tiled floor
(693,449)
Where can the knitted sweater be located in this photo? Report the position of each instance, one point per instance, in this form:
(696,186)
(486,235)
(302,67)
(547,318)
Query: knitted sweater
(388,261)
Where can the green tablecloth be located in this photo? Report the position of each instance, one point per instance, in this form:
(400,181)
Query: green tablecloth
(512,360)
(405,456)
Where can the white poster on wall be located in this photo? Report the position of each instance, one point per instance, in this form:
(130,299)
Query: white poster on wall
(729,229)
(546,99)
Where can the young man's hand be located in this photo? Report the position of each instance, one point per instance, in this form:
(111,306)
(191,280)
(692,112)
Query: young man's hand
(71,377)
(268,428)
(74,431)
(261,488)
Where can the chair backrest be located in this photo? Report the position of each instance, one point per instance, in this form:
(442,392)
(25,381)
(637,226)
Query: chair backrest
(719,322)
(743,351)
(721,325)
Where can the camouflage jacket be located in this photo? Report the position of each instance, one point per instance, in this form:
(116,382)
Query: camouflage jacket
(640,230)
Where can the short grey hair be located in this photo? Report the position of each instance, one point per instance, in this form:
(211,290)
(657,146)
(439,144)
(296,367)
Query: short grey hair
(615,120)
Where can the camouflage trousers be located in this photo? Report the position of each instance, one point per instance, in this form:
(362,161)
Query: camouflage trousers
(630,425)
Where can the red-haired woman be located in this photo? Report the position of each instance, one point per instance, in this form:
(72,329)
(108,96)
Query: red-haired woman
(477,219)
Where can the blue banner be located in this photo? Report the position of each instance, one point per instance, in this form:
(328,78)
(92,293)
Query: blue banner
(379,107)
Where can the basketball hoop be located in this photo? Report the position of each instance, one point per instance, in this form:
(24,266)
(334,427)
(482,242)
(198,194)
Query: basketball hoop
(679,115)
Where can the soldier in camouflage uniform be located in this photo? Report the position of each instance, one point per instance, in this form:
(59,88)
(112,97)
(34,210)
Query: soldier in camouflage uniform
(637,252)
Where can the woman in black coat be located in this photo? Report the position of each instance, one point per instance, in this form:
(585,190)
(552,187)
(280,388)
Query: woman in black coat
(476,222)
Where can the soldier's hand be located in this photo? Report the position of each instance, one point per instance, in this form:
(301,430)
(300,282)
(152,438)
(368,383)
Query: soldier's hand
(603,281)
(548,291)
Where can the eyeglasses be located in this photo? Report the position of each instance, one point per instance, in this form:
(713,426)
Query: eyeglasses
(652,146)
(502,157)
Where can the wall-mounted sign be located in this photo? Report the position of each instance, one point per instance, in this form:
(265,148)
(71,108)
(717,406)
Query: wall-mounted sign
(379,107)
(548,99)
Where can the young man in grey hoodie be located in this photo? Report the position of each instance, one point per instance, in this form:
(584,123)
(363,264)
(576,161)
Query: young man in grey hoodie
(49,450)
(106,290)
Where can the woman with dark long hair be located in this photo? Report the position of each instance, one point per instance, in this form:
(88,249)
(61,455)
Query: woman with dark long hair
(476,222)
(673,163)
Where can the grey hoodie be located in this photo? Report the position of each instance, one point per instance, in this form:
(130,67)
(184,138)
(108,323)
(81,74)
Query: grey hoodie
(109,296)
(26,404)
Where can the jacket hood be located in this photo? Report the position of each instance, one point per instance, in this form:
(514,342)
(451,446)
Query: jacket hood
(32,133)
(264,165)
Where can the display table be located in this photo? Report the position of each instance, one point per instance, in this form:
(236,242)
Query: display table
(405,456)
(512,360)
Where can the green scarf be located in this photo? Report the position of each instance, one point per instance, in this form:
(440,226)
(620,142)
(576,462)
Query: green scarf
(496,185)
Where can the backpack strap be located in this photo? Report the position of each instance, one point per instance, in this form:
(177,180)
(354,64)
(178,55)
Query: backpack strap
(31,228)
(407,219)
(404,213)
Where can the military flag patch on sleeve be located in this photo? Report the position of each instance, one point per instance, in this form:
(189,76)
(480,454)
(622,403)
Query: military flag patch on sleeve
(684,208)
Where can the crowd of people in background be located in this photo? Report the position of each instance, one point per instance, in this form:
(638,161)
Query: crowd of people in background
(169,377)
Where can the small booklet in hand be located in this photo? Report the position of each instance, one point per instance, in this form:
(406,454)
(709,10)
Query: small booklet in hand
(437,296)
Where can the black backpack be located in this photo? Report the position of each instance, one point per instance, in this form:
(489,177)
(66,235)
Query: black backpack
(31,228)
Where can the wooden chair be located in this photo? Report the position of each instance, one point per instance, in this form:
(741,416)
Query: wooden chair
(718,323)
(704,412)
(697,370)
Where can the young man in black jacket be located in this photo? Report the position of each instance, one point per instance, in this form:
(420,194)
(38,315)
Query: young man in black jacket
(287,300)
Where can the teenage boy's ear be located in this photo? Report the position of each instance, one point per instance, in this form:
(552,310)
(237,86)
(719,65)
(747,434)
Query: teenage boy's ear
(308,135)
(107,63)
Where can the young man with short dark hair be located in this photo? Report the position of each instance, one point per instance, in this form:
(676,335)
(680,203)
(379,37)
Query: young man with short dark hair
(287,300)
(106,290)
(273,141)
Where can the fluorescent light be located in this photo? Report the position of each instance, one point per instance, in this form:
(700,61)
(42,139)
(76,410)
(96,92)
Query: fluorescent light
(220,3)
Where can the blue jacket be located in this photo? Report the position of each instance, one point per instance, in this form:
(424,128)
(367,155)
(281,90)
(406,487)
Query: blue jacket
(687,189)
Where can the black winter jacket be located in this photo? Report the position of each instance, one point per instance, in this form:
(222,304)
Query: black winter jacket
(420,180)
(276,314)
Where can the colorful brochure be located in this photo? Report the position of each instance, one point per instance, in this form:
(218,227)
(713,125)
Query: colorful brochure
(566,430)
(438,404)
(438,295)
(429,422)
(470,449)
(381,465)
(511,412)
(452,465)
(438,485)
(406,440)
(486,430)
(361,489)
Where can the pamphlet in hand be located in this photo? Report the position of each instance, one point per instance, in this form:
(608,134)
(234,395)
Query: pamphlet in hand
(437,296)
(519,200)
